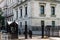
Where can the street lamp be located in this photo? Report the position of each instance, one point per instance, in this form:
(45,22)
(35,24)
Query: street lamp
(25,30)
(42,25)
(6,15)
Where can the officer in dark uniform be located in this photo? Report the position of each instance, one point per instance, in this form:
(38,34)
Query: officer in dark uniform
(30,33)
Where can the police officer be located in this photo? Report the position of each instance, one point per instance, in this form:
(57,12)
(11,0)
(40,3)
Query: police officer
(30,33)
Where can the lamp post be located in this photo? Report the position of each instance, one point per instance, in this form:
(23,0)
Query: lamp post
(6,15)
(42,25)
(25,30)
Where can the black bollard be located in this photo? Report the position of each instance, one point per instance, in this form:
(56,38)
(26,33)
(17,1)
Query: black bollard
(25,31)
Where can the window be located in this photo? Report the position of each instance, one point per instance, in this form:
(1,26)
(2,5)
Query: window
(42,9)
(53,10)
(25,22)
(42,23)
(12,11)
(53,23)
(25,11)
(20,12)
(20,24)
(16,14)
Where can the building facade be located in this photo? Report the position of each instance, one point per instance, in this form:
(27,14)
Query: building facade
(34,13)
(8,9)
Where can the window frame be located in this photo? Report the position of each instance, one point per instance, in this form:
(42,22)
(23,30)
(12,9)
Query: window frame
(20,24)
(21,12)
(52,10)
(42,4)
(26,11)
(53,23)
(16,14)
(42,9)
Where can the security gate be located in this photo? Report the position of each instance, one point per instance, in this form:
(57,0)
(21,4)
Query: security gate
(52,31)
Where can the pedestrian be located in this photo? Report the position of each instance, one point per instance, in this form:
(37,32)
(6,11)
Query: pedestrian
(30,34)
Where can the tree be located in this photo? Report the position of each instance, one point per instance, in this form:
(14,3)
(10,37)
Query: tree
(2,23)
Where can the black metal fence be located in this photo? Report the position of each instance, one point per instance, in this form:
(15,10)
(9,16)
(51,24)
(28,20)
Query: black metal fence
(52,31)
(48,31)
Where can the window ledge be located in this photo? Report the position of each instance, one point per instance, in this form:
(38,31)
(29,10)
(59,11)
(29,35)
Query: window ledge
(53,15)
(42,15)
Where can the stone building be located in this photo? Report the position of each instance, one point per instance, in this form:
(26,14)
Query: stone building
(34,13)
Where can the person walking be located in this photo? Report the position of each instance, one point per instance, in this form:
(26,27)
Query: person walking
(30,34)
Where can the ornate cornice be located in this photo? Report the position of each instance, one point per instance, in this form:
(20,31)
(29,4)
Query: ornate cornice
(20,3)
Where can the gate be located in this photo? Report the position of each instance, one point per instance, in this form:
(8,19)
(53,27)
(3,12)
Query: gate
(52,31)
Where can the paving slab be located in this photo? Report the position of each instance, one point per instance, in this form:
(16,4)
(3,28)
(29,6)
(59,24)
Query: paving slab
(36,39)
(54,38)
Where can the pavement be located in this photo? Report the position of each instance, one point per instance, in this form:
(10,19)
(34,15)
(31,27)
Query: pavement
(36,37)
